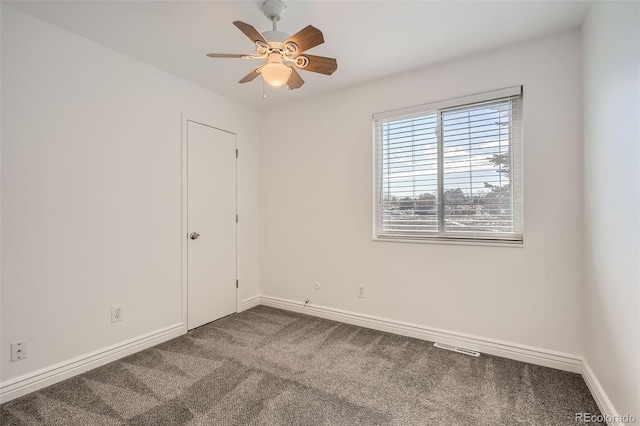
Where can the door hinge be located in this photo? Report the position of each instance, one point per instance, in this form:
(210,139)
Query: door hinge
(236,153)
(236,283)
(236,218)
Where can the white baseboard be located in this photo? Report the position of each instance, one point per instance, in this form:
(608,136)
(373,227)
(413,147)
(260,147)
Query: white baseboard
(249,303)
(601,398)
(546,358)
(39,379)
(31,382)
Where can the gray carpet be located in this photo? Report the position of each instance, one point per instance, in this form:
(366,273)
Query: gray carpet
(266,366)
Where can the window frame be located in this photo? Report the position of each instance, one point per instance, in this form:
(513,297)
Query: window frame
(443,237)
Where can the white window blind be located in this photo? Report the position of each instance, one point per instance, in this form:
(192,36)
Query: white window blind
(450,170)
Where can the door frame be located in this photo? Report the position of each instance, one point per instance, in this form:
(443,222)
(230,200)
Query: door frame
(186,117)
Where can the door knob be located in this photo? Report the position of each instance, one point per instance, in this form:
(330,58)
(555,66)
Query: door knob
(194,235)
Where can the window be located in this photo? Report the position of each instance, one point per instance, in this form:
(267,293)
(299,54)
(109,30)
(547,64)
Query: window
(450,170)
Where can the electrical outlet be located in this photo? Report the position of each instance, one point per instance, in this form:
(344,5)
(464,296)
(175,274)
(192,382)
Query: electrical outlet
(18,350)
(116,313)
(360,291)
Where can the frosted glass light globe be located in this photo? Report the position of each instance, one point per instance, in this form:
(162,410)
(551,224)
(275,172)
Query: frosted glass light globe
(275,73)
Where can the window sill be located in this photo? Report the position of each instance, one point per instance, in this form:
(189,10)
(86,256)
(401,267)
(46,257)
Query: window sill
(485,243)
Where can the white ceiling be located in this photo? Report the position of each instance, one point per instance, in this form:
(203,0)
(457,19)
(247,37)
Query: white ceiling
(370,39)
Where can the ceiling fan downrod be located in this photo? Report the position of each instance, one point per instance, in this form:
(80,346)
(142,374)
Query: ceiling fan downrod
(273,10)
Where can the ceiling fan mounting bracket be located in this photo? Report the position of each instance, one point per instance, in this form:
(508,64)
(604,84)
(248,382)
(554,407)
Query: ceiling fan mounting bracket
(274,9)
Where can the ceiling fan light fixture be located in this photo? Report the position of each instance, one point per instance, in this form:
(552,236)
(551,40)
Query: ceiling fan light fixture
(275,73)
(281,52)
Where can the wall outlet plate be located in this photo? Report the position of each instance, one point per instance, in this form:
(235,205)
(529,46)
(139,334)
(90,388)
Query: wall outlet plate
(360,291)
(116,313)
(18,350)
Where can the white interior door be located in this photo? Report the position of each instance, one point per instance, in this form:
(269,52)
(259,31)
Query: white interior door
(211,224)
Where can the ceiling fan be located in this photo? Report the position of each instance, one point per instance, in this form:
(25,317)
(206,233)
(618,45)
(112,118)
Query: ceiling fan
(283,54)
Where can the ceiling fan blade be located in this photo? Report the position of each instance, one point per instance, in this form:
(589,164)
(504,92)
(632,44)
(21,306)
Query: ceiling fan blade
(249,77)
(295,81)
(320,64)
(227,55)
(250,32)
(307,38)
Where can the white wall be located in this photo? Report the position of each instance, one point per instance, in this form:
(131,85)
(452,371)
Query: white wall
(91,193)
(91,200)
(611,36)
(316,200)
